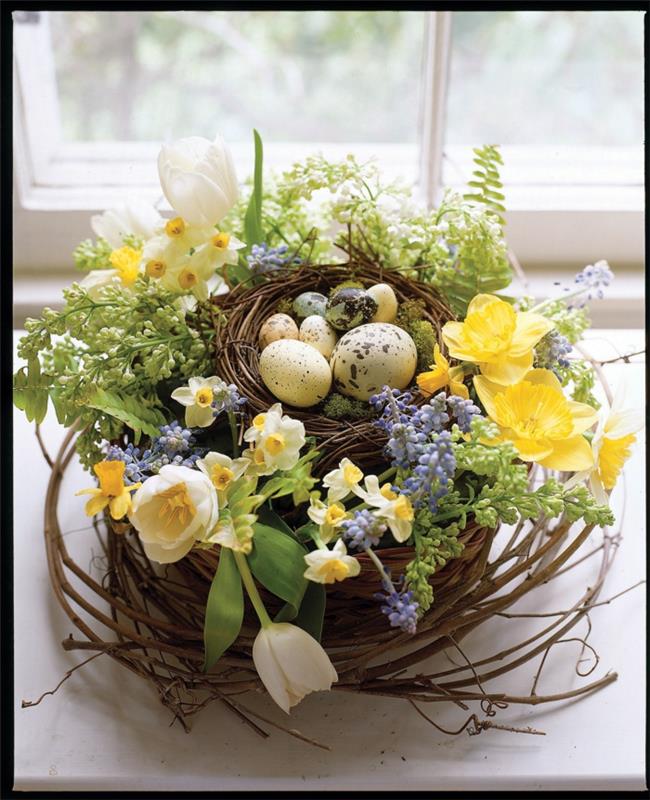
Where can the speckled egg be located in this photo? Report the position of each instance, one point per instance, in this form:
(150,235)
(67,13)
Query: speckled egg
(371,356)
(384,296)
(318,333)
(350,307)
(277,326)
(295,372)
(309,303)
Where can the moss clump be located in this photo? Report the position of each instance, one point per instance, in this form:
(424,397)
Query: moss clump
(349,284)
(339,407)
(409,311)
(284,307)
(424,336)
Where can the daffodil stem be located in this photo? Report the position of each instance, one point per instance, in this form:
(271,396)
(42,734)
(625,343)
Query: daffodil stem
(251,589)
(536,309)
(380,567)
(234,434)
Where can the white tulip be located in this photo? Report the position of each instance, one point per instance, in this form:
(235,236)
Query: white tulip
(291,663)
(172,510)
(198,179)
(135,218)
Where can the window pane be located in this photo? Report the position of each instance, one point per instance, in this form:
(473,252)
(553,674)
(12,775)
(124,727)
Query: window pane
(320,76)
(546,78)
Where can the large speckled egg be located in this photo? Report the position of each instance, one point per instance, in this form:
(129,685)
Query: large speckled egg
(318,333)
(295,372)
(277,326)
(384,296)
(371,356)
(350,307)
(309,303)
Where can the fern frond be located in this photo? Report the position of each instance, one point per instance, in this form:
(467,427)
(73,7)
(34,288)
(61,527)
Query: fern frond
(486,187)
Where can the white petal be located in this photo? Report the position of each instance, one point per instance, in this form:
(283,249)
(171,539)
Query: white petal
(622,423)
(183,395)
(197,417)
(269,671)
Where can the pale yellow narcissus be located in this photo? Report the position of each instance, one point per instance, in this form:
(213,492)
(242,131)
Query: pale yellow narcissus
(496,338)
(111,492)
(441,375)
(538,419)
(329,566)
(342,480)
(328,516)
(611,446)
(197,397)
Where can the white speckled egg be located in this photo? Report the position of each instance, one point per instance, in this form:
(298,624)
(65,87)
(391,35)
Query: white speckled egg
(371,356)
(295,372)
(277,326)
(384,296)
(317,332)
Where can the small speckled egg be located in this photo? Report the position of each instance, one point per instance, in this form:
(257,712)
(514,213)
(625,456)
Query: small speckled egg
(318,333)
(277,326)
(384,296)
(371,356)
(295,372)
(350,307)
(309,303)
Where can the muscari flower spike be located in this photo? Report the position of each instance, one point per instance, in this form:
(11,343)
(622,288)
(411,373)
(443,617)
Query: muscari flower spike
(263,259)
(364,530)
(399,606)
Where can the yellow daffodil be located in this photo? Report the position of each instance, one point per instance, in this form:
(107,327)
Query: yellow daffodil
(329,566)
(611,447)
(538,419)
(497,338)
(328,516)
(111,492)
(442,375)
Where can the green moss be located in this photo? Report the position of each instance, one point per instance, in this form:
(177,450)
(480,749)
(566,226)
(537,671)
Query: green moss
(424,336)
(349,284)
(339,407)
(284,307)
(408,312)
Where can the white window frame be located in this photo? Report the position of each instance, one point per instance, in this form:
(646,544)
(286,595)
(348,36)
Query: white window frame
(552,221)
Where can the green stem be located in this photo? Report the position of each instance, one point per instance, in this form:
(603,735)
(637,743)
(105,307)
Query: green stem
(380,567)
(233,432)
(550,300)
(251,589)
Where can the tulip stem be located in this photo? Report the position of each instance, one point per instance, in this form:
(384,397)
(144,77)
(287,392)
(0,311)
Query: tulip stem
(233,432)
(251,589)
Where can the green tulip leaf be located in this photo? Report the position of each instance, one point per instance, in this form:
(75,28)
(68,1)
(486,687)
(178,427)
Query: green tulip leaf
(278,562)
(224,612)
(312,610)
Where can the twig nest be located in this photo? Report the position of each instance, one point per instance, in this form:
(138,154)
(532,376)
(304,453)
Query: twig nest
(371,356)
(295,372)
(318,333)
(277,326)
(347,308)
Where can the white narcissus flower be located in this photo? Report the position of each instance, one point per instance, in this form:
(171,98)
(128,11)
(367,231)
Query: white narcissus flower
(328,516)
(395,509)
(291,663)
(343,480)
(219,248)
(277,440)
(198,179)
(197,397)
(611,445)
(172,510)
(222,471)
(134,218)
(328,566)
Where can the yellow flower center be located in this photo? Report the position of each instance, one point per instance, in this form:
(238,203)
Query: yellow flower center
(204,397)
(221,476)
(612,456)
(275,443)
(126,261)
(111,477)
(155,268)
(387,492)
(352,474)
(178,506)
(258,421)
(188,278)
(533,411)
(175,227)
(221,241)
(333,570)
(488,333)
(403,508)
(258,456)
(334,514)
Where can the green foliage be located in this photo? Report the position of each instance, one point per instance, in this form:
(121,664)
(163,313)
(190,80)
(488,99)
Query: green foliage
(224,612)
(312,610)
(570,321)
(424,337)
(89,256)
(337,406)
(129,410)
(486,184)
(277,561)
(434,547)
(253,230)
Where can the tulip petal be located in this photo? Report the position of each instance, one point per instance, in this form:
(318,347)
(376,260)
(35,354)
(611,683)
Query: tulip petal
(529,330)
(509,369)
(167,555)
(570,455)
(269,671)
